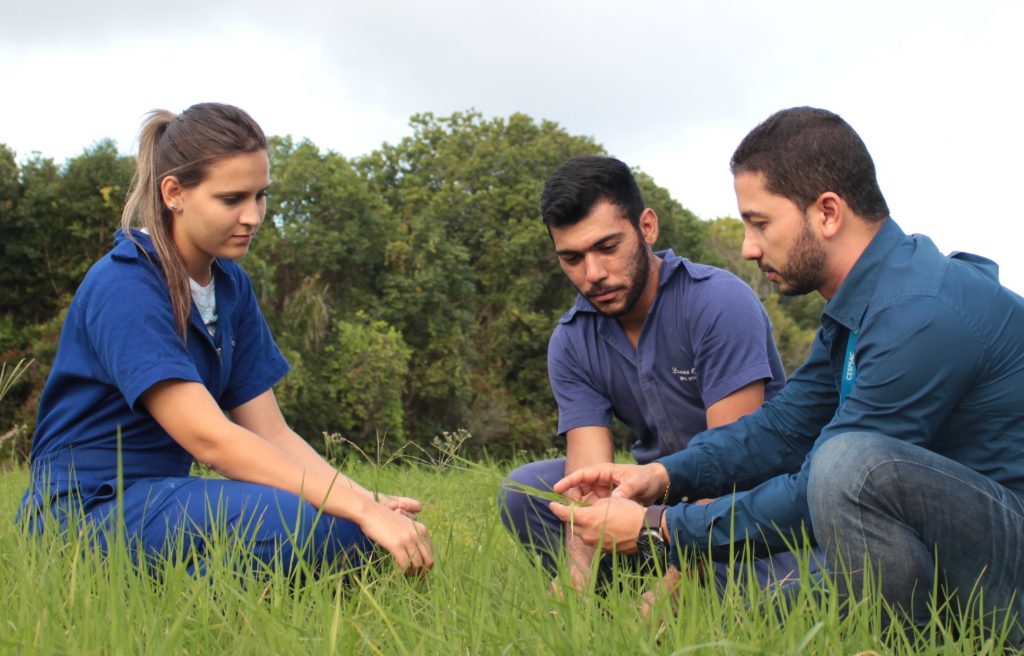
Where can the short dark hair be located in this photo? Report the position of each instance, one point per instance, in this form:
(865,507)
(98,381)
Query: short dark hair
(572,191)
(804,152)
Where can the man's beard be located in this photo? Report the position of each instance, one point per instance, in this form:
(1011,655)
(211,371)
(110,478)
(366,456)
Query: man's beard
(639,270)
(805,271)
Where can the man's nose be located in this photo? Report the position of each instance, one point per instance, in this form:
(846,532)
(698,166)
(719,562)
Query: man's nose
(596,270)
(750,249)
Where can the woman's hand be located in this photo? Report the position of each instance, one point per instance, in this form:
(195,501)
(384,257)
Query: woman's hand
(645,484)
(405,505)
(403,537)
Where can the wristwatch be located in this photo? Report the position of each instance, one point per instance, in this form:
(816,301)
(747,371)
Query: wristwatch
(651,546)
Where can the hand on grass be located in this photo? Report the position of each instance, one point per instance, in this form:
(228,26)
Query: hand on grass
(645,484)
(666,591)
(610,523)
(403,537)
(577,582)
(405,505)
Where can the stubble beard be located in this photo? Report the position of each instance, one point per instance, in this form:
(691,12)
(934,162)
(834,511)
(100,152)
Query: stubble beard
(805,271)
(639,270)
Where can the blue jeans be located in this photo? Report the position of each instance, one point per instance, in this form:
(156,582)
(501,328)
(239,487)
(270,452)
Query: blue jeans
(531,521)
(912,514)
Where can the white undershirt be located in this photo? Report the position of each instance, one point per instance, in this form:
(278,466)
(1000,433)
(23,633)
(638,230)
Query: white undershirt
(206,302)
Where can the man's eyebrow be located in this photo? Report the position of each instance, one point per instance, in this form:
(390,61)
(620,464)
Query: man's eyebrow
(752,214)
(597,244)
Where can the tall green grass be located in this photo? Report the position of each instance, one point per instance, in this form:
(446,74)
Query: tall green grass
(483,597)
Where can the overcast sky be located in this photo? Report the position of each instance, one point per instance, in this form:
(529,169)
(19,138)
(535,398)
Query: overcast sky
(934,88)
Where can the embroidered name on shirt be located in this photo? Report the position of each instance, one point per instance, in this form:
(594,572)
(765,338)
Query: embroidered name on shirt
(685,375)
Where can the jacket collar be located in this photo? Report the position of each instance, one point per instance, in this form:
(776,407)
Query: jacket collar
(851,301)
(127,250)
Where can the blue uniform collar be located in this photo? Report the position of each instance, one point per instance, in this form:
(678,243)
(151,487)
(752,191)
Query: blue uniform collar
(670,263)
(127,250)
(851,301)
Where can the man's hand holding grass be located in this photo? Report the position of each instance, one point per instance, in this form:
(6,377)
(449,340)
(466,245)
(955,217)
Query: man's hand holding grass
(644,484)
(609,523)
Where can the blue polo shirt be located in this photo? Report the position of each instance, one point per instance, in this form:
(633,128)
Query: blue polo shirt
(705,336)
(118,340)
(940,363)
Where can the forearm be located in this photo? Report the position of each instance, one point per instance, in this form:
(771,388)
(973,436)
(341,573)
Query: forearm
(771,441)
(245,456)
(584,447)
(300,450)
(770,517)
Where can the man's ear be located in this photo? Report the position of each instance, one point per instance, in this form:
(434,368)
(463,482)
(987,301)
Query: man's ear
(831,209)
(171,191)
(648,225)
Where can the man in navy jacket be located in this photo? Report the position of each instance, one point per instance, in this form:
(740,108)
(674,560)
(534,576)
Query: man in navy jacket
(900,439)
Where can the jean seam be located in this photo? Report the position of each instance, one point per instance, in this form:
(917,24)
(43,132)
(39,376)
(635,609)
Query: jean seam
(922,466)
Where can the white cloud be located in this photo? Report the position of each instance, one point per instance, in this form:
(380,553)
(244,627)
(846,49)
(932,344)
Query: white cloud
(670,87)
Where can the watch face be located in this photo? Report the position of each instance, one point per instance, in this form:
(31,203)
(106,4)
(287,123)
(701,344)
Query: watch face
(652,552)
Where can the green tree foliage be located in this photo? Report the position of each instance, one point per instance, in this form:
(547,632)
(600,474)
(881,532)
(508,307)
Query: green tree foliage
(56,223)
(413,289)
(471,282)
(354,387)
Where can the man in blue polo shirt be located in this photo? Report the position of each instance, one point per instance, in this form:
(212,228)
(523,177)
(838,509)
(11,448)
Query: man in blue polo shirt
(899,442)
(669,346)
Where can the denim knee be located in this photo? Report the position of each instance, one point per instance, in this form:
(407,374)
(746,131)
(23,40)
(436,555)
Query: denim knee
(844,460)
(513,504)
(510,504)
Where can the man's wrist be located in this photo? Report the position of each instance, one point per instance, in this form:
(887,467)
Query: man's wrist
(664,481)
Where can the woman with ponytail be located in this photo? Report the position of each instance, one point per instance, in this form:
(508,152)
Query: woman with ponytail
(165,358)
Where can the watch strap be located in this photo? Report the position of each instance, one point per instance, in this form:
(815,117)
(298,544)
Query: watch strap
(652,519)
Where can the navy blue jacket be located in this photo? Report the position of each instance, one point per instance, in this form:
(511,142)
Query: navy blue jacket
(940,364)
(118,340)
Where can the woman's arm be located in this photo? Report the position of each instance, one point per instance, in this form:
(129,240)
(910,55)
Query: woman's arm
(193,419)
(263,417)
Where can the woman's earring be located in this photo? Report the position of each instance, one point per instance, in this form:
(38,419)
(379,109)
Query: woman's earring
(172,207)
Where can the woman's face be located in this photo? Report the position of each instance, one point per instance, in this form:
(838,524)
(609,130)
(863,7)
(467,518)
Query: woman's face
(219,217)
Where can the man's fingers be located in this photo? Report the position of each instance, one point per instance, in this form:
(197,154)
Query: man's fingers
(567,483)
(624,490)
(561,511)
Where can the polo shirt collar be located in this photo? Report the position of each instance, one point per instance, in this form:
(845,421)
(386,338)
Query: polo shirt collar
(670,263)
(851,301)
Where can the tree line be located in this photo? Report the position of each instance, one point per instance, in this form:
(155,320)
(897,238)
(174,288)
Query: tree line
(413,289)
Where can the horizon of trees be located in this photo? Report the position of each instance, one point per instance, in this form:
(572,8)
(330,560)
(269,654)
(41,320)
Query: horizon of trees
(413,289)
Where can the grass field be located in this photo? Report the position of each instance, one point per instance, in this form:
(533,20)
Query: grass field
(483,597)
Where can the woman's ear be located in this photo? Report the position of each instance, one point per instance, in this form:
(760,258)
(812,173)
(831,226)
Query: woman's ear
(170,191)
